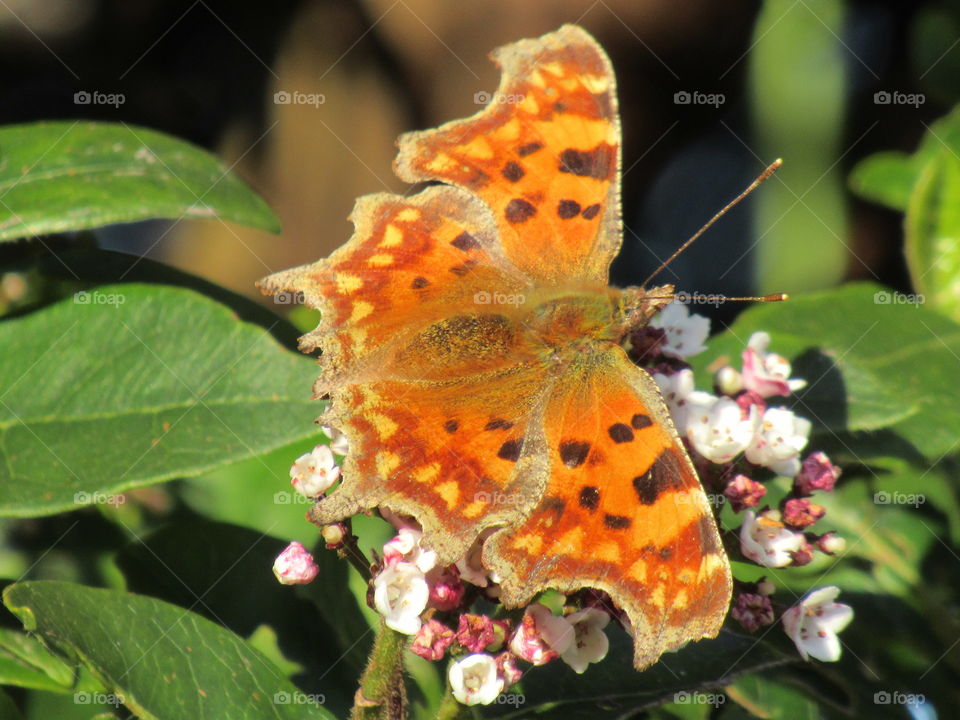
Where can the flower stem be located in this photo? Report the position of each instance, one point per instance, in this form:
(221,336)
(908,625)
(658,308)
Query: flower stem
(382,694)
(450,709)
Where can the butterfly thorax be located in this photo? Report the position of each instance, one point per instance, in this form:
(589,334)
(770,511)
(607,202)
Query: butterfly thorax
(562,321)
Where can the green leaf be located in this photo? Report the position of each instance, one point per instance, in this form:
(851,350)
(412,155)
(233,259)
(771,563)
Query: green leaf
(886,178)
(765,698)
(871,363)
(8,709)
(130,385)
(24,662)
(176,564)
(171,664)
(70,175)
(933,234)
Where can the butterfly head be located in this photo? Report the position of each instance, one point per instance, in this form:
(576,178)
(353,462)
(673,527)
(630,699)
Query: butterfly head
(637,305)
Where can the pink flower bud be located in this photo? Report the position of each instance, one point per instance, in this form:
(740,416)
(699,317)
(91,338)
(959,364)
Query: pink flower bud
(801,513)
(295,566)
(803,556)
(752,611)
(432,640)
(446,588)
(816,473)
(744,492)
(831,543)
(475,632)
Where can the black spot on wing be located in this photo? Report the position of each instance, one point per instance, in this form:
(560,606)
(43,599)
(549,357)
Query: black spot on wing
(589,497)
(567,209)
(620,433)
(617,522)
(510,450)
(573,453)
(519,210)
(512,171)
(596,163)
(465,241)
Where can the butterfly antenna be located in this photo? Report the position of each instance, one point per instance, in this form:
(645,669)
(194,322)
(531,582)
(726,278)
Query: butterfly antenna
(765,175)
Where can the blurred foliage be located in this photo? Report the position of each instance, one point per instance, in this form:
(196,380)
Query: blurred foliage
(174,569)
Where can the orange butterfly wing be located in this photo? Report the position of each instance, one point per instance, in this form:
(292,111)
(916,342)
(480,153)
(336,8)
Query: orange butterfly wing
(623,511)
(544,155)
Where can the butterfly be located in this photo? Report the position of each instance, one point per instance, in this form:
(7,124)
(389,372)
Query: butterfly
(472,351)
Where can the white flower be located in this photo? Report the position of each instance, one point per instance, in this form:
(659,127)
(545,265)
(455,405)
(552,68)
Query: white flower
(767,374)
(677,390)
(814,623)
(474,679)
(406,547)
(338,441)
(685,332)
(766,541)
(315,472)
(295,565)
(778,443)
(587,643)
(716,427)
(400,594)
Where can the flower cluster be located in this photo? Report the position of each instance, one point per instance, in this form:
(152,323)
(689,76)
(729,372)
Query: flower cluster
(736,437)
(736,434)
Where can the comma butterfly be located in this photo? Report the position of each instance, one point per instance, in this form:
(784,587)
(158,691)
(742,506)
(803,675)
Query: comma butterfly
(472,353)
